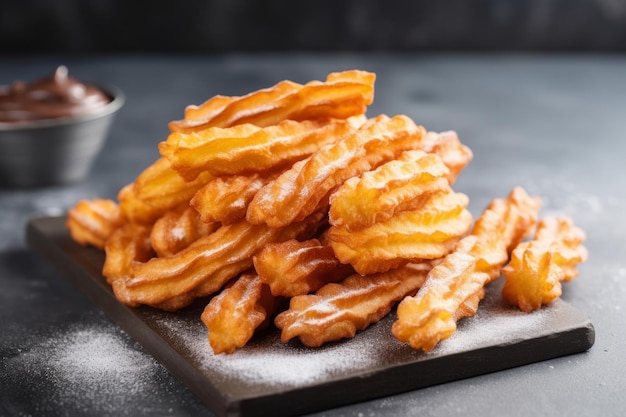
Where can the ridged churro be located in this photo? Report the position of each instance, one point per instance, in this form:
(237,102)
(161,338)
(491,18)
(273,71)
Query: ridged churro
(91,222)
(343,94)
(295,267)
(537,267)
(300,190)
(339,310)
(203,267)
(455,287)
(244,149)
(428,232)
(233,316)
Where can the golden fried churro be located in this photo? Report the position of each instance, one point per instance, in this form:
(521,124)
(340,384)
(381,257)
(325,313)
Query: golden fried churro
(537,267)
(136,210)
(204,266)
(177,229)
(568,250)
(247,148)
(430,317)
(198,117)
(501,226)
(91,222)
(428,232)
(342,95)
(293,268)
(455,287)
(237,312)
(339,310)
(449,148)
(157,190)
(223,111)
(300,190)
(226,199)
(399,185)
(160,187)
(127,244)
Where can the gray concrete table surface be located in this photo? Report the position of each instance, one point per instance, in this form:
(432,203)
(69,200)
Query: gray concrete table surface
(552,124)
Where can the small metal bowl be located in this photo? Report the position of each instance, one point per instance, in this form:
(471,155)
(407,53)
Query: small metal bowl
(55,151)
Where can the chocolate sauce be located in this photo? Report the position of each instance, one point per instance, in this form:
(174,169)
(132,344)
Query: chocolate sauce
(55,96)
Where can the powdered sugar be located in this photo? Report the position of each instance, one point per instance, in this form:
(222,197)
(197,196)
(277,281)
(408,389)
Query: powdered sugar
(288,365)
(87,368)
(93,369)
(494,324)
(267,364)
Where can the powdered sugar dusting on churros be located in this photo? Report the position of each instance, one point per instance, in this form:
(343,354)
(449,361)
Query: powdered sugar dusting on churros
(267,363)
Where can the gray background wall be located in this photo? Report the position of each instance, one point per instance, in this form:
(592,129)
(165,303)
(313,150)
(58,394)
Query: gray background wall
(218,26)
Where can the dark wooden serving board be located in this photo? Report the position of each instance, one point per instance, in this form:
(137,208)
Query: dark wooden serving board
(288,379)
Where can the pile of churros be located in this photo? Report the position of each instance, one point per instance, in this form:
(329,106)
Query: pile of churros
(290,207)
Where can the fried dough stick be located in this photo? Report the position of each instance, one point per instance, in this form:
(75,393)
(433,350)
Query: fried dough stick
(403,211)
(128,244)
(537,267)
(428,232)
(240,309)
(203,267)
(300,190)
(399,185)
(339,310)
(455,286)
(293,267)
(342,95)
(501,226)
(246,148)
(177,229)
(199,117)
(91,222)
(449,148)
(156,190)
(226,199)
(160,185)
